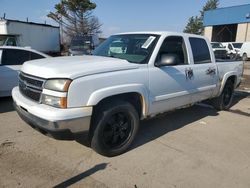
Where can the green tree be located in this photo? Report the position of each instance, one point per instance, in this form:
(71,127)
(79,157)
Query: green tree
(195,23)
(210,5)
(75,17)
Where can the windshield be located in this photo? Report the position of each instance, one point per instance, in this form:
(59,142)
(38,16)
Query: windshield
(217,45)
(81,43)
(2,40)
(237,45)
(135,48)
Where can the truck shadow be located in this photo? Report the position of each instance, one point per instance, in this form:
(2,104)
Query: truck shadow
(154,128)
(239,95)
(6,104)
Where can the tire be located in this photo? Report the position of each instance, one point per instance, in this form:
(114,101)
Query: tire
(115,126)
(244,57)
(224,101)
(232,56)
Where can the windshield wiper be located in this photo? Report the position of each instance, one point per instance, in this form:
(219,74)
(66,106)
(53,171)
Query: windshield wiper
(122,59)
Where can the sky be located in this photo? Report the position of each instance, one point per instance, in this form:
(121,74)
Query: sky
(119,15)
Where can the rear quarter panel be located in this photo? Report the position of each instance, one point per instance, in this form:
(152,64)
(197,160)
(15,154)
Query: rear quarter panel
(227,69)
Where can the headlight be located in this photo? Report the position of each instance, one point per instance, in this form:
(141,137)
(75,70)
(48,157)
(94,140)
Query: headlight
(58,102)
(57,84)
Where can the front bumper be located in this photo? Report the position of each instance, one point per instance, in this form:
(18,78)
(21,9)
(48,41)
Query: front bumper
(58,123)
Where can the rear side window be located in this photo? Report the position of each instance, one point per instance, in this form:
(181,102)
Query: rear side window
(35,56)
(200,50)
(230,47)
(14,57)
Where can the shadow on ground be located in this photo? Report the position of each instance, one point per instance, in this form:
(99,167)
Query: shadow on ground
(81,176)
(154,128)
(6,104)
(239,95)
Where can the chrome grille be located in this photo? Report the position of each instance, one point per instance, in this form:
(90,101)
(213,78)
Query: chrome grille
(31,86)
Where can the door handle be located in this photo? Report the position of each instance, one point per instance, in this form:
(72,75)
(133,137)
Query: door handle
(189,73)
(211,71)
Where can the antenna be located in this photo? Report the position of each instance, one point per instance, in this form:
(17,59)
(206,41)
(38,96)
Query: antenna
(4,15)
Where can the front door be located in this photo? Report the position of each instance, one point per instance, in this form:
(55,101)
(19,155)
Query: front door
(170,86)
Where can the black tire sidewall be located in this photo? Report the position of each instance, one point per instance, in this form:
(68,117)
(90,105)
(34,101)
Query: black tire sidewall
(244,57)
(97,140)
(230,86)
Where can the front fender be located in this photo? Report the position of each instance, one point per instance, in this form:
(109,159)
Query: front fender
(103,93)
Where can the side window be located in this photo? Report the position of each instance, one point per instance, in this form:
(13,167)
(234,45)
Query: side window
(35,56)
(230,47)
(11,41)
(200,50)
(1,52)
(174,45)
(14,57)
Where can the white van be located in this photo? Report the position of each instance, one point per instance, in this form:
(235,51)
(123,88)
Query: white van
(245,51)
(233,48)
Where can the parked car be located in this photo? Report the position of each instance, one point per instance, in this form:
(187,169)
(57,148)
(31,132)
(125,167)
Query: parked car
(130,76)
(81,45)
(219,50)
(11,59)
(245,51)
(233,48)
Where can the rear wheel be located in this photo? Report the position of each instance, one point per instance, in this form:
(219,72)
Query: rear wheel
(115,127)
(224,101)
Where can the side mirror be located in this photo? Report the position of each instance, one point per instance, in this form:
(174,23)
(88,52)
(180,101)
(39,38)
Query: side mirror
(167,60)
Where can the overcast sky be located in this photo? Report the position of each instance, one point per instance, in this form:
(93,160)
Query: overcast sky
(119,15)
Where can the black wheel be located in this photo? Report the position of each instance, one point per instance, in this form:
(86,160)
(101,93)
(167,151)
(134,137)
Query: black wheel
(115,127)
(232,56)
(244,57)
(224,101)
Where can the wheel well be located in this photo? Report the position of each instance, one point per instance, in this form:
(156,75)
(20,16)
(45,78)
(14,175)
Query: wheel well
(133,98)
(231,79)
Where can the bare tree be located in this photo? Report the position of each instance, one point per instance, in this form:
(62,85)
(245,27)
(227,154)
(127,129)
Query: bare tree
(75,17)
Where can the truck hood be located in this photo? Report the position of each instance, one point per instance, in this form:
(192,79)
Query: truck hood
(73,67)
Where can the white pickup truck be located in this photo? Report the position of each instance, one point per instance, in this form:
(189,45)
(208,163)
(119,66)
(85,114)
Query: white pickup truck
(130,77)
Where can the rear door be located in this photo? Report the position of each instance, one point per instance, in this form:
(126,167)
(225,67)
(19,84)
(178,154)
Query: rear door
(11,61)
(204,71)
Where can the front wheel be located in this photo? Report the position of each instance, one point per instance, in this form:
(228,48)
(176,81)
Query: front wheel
(224,101)
(116,125)
(232,56)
